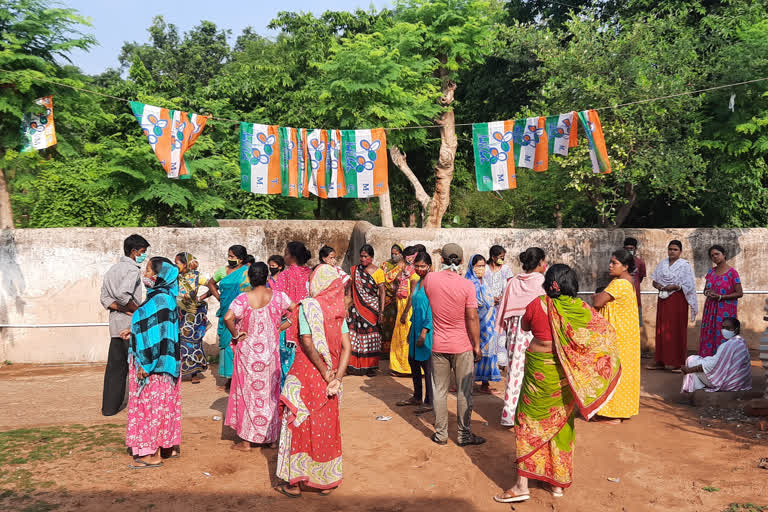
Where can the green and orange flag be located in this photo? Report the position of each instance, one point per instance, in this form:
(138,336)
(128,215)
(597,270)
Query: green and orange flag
(364,162)
(494,156)
(597,150)
(260,158)
(170,133)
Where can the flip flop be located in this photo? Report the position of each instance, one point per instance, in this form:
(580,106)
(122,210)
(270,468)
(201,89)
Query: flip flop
(676,370)
(511,498)
(557,494)
(282,490)
(144,465)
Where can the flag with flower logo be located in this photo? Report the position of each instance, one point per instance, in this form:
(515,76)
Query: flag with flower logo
(562,133)
(293,162)
(170,133)
(530,143)
(364,162)
(325,177)
(598,153)
(260,158)
(494,156)
(37,130)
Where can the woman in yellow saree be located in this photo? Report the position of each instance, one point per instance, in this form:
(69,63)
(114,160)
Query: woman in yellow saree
(392,269)
(571,364)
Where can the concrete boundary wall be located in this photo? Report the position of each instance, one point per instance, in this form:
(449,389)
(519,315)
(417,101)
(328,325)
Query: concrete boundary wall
(54,275)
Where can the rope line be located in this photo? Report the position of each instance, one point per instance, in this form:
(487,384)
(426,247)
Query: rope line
(416,127)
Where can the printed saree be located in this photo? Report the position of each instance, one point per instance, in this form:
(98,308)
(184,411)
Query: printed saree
(310,439)
(581,373)
(391,284)
(193,320)
(229,288)
(487,369)
(364,329)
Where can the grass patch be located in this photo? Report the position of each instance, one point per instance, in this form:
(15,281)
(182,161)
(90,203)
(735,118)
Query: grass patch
(710,489)
(746,507)
(22,449)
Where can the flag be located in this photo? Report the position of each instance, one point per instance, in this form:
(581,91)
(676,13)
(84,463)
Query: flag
(170,133)
(326,178)
(494,155)
(38,131)
(530,143)
(597,150)
(293,158)
(260,158)
(562,133)
(364,162)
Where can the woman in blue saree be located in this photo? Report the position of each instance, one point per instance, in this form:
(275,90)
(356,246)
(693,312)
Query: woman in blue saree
(487,369)
(233,283)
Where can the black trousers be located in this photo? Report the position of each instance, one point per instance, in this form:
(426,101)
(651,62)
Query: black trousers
(115,376)
(416,367)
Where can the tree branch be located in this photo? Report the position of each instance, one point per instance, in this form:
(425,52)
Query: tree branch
(399,159)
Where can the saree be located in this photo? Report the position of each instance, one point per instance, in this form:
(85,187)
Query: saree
(193,320)
(252,408)
(294,282)
(496,281)
(154,401)
(399,348)
(364,330)
(729,369)
(519,292)
(581,374)
(310,438)
(230,287)
(391,284)
(487,369)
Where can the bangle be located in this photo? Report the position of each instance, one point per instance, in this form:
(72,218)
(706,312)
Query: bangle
(289,321)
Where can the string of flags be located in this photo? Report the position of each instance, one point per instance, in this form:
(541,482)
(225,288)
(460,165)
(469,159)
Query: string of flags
(500,147)
(297,162)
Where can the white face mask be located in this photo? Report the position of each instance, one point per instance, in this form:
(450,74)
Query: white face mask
(728,334)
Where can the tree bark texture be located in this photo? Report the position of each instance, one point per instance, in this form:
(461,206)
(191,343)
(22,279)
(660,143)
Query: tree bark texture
(6,213)
(385,209)
(400,160)
(445,161)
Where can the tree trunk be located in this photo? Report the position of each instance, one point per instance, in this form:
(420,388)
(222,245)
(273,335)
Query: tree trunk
(399,159)
(631,195)
(385,209)
(6,213)
(445,161)
(558,217)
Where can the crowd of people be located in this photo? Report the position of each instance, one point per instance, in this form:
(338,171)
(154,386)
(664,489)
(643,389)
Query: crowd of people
(289,334)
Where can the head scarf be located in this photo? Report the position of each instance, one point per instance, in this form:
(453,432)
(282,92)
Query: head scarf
(155,326)
(484,298)
(324,307)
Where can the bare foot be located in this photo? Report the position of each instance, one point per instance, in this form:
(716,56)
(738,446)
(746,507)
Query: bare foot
(242,446)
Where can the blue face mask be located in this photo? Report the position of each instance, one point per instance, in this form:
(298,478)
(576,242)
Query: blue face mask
(141,257)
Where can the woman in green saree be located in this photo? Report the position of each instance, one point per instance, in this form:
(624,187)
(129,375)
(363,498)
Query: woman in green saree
(571,365)
(233,281)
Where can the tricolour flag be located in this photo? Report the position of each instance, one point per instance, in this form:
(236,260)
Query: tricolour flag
(597,150)
(326,179)
(293,158)
(364,162)
(170,133)
(38,131)
(494,155)
(530,143)
(562,133)
(260,158)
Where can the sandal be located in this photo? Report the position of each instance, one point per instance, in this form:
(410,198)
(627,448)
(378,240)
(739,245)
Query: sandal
(511,498)
(140,464)
(551,489)
(283,489)
(438,441)
(326,492)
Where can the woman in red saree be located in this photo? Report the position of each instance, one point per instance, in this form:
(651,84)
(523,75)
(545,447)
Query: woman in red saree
(571,364)
(310,439)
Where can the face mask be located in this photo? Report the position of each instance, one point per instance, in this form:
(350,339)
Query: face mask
(397,258)
(274,270)
(410,259)
(422,273)
(479,272)
(149,282)
(631,251)
(232,263)
(728,334)
(141,257)
(500,261)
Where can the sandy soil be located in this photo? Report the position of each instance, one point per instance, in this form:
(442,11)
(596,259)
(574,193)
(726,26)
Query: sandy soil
(663,459)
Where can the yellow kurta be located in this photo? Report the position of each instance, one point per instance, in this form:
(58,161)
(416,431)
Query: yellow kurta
(622,314)
(398,351)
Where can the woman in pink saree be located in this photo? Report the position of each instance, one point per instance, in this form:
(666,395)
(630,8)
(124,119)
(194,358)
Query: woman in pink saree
(254,319)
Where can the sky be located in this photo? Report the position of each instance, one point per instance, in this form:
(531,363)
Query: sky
(117,21)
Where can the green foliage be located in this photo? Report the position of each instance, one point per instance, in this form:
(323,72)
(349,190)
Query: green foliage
(683,161)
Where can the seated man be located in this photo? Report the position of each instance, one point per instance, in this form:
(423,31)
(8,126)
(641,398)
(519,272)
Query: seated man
(727,370)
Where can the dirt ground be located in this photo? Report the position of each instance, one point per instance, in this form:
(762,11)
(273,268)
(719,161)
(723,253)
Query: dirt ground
(670,457)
